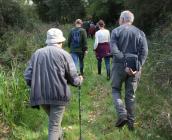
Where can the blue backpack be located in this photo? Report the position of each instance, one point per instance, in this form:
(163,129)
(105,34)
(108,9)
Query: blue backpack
(75,39)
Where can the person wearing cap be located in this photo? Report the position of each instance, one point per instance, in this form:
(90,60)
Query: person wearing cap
(129,49)
(77,42)
(48,73)
(102,47)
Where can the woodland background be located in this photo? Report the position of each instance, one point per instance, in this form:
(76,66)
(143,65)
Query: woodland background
(23,26)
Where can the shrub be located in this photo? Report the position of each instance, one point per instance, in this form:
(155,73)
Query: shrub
(11,15)
(149,13)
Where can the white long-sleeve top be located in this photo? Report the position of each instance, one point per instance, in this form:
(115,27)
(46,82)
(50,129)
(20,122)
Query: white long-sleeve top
(101,36)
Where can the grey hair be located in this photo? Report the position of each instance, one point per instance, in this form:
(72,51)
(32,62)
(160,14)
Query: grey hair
(127,16)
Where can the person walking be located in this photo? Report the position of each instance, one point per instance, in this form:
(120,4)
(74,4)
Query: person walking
(77,42)
(102,47)
(48,73)
(86,26)
(92,30)
(129,49)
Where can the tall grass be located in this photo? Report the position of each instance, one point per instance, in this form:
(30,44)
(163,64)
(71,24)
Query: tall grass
(13,96)
(153,101)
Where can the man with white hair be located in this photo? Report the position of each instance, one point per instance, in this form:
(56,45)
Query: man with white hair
(48,73)
(129,49)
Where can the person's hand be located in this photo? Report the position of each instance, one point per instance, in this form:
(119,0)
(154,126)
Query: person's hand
(86,52)
(130,72)
(81,78)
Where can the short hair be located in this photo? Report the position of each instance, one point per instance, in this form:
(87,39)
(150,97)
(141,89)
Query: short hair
(127,16)
(101,23)
(78,21)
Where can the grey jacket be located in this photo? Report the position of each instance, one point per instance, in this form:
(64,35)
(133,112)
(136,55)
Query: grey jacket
(49,71)
(128,39)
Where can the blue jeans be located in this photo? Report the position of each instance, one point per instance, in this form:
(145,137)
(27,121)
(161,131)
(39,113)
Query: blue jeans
(55,115)
(107,64)
(78,57)
(119,76)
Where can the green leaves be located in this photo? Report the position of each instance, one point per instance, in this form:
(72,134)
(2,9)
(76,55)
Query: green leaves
(108,10)
(60,10)
(149,13)
(11,14)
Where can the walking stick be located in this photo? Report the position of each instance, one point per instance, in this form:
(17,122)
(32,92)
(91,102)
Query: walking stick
(79,100)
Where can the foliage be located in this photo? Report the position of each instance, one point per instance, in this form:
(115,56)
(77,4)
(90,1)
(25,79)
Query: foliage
(11,14)
(108,10)
(98,112)
(162,62)
(14,103)
(26,34)
(149,13)
(60,10)
(20,44)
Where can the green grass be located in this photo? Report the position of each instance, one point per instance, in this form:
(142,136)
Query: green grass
(153,107)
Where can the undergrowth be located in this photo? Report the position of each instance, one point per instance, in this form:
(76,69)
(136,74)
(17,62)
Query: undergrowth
(153,97)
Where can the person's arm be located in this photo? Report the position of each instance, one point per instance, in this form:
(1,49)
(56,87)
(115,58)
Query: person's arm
(143,50)
(96,41)
(84,40)
(108,36)
(71,74)
(69,38)
(114,46)
(28,72)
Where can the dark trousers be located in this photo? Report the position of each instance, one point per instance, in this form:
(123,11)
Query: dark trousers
(107,64)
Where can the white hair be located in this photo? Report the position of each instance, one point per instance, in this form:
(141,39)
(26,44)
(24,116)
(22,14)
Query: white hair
(127,16)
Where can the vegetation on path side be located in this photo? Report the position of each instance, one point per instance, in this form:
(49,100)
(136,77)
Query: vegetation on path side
(19,122)
(22,32)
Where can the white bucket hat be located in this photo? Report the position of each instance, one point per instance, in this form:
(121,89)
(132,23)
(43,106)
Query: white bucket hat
(54,35)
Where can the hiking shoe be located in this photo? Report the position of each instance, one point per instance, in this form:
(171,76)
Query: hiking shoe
(130,126)
(121,122)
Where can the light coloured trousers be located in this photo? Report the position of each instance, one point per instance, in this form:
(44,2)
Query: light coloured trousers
(55,115)
(119,76)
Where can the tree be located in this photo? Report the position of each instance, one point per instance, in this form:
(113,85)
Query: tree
(11,14)
(60,10)
(107,10)
(149,13)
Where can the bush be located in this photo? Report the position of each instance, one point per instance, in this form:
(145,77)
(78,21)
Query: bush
(11,15)
(162,61)
(13,90)
(108,10)
(20,45)
(149,13)
(63,11)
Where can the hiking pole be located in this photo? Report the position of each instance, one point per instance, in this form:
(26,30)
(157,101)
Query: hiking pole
(79,100)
